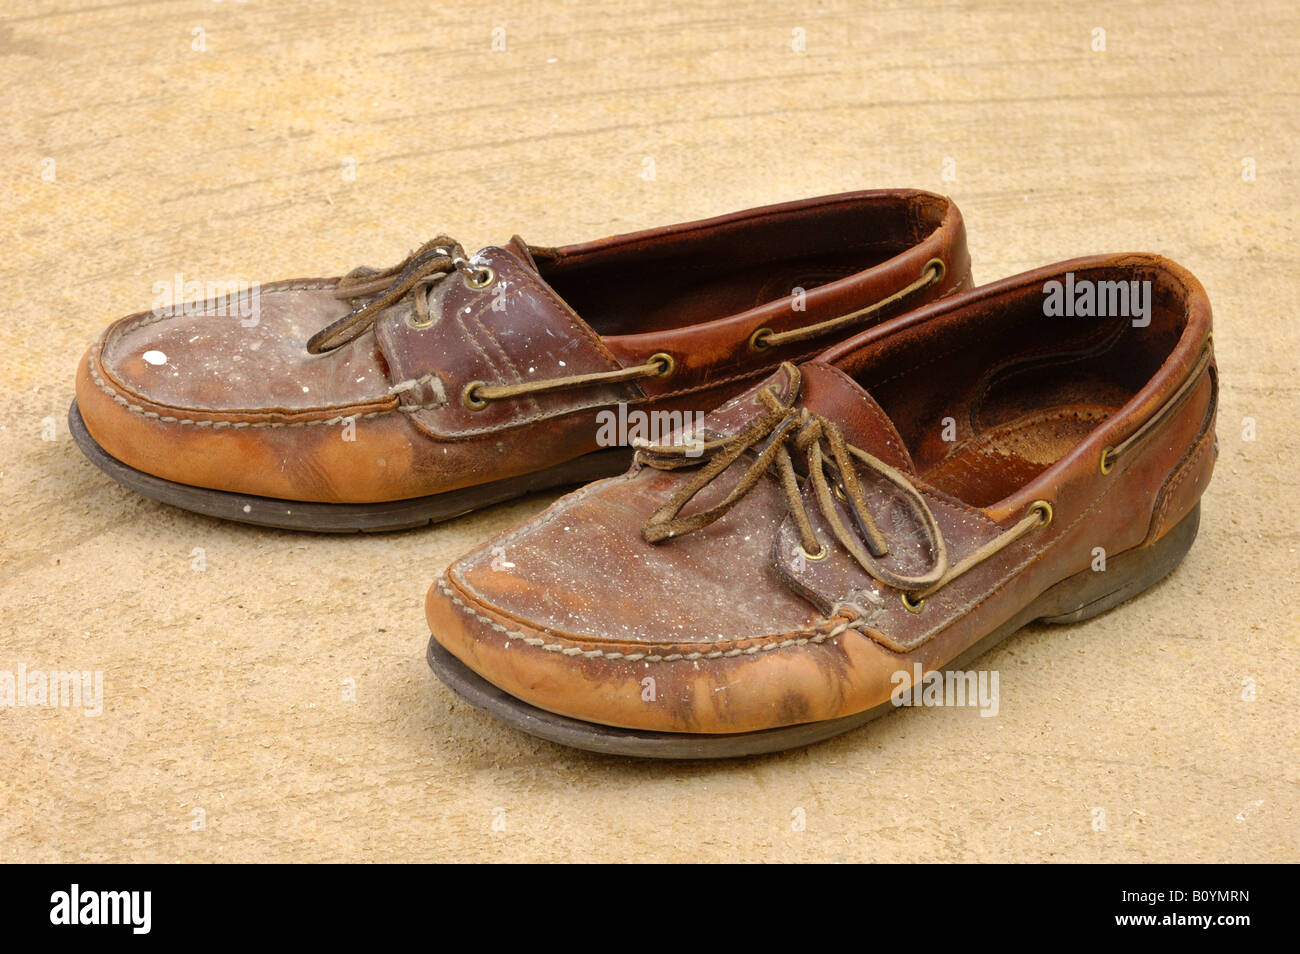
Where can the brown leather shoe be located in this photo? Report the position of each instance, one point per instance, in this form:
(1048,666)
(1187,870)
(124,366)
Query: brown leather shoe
(908,499)
(389,399)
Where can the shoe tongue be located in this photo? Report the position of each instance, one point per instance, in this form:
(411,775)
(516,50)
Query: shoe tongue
(834,395)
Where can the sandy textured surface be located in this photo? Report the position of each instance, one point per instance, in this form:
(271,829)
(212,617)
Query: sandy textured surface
(226,731)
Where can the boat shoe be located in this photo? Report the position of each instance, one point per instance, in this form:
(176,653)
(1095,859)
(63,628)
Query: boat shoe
(1034,449)
(397,397)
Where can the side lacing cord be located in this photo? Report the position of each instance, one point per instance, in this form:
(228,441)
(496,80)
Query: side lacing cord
(477,394)
(383,288)
(765,338)
(783,424)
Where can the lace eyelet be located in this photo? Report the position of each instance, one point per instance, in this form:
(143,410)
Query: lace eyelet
(1106,465)
(480,279)
(939,267)
(412,322)
(668,362)
(469,396)
(758,340)
(912,606)
(1045,509)
(815,557)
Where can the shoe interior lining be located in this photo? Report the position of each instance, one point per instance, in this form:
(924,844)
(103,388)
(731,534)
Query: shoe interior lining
(1020,389)
(693,278)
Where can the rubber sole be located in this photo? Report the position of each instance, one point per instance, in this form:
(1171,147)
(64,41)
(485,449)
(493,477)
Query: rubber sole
(1074,599)
(345,518)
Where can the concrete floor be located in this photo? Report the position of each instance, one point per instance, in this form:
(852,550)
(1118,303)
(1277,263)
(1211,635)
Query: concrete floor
(308,137)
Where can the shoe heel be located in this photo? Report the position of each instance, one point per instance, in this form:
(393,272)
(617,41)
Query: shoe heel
(1090,593)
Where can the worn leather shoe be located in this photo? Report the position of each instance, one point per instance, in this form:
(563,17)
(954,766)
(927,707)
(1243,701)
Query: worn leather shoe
(1032,450)
(396,397)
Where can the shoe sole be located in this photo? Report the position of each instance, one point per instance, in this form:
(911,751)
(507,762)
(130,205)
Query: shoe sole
(1074,599)
(338,517)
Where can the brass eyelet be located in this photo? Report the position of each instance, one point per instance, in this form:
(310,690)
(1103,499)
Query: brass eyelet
(480,279)
(411,320)
(469,396)
(1106,465)
(1044,508)
(819,555)
(839,492)
(758,340)
(668,362)
(909,604)
(940,268)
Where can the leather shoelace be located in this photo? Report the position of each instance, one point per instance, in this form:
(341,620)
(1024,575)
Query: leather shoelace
(770,438)
(765,338)
(378,289)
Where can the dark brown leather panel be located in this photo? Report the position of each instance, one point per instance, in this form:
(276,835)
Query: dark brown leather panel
(514,330)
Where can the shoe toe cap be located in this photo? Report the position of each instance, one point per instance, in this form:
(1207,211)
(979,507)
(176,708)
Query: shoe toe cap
(241,354)
(575,614)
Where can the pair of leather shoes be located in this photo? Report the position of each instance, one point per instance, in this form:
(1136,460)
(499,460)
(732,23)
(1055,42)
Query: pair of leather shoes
(849,470)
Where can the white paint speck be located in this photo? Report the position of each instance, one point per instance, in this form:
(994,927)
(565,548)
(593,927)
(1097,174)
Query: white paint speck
(156,358)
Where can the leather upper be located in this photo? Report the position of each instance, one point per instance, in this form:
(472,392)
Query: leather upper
(984,403)
(207,396)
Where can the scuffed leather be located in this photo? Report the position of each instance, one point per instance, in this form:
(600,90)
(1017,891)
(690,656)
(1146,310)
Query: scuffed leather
(220,361)
(248,410)
(512,331)
(739,634)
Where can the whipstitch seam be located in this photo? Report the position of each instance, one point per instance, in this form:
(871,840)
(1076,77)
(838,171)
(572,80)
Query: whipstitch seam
(817,638)
(199,422)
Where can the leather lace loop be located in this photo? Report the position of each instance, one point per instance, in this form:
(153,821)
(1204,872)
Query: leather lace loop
(378,289)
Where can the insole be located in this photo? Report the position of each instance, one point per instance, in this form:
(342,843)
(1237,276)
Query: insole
(998,461)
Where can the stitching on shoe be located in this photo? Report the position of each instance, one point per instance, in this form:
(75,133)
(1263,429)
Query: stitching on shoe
(217,425)
(815,635)
(482,338)
(172,312)
(440,397)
